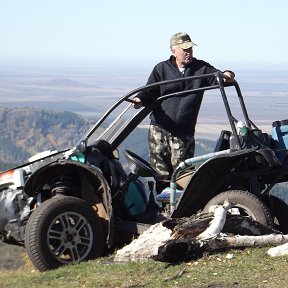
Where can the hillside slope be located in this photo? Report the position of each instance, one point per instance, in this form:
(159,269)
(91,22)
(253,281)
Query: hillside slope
(27,131)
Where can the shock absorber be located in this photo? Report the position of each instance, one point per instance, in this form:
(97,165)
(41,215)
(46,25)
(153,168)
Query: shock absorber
(62,185)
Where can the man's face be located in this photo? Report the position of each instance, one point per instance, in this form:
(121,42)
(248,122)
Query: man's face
(183,56)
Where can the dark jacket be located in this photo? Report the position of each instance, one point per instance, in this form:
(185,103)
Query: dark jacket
(177,114)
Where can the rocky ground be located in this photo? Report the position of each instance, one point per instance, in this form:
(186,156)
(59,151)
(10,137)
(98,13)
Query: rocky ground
(11,256)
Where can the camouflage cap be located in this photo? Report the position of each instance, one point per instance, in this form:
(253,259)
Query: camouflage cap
(181,40)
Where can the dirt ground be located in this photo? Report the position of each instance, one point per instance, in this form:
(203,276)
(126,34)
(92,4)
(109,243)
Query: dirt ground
(11,256)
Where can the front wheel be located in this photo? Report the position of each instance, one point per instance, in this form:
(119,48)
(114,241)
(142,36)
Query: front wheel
(245,204)
(61,231)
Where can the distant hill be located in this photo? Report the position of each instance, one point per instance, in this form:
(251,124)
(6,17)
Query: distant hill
(27,131)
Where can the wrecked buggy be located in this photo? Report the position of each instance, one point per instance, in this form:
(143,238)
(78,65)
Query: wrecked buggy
(81,203)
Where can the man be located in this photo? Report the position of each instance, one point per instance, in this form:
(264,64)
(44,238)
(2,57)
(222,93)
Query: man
(172,127)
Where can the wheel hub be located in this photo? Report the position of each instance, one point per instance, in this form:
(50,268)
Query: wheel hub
(70,237)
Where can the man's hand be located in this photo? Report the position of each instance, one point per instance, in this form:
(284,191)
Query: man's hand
(228,76)
(137,103)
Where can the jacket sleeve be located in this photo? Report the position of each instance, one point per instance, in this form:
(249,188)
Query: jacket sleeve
(149,95)
(211,69)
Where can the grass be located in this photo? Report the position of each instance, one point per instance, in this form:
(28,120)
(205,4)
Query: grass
(246,268)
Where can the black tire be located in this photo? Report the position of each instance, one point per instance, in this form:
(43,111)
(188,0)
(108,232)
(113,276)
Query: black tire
(246,204)
(280,211)
(61,231)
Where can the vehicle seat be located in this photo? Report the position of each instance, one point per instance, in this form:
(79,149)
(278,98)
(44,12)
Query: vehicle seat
(132,202)
(223,142)
(101,155)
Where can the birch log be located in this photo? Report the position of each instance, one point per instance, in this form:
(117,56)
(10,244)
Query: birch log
(217,224)
(244,241)
(185,239)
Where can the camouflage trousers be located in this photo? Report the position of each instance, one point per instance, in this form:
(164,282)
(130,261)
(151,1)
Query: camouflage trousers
(167,151)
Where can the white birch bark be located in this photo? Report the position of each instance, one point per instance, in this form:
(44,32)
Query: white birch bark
(245,241)
(217,223)
(280,250)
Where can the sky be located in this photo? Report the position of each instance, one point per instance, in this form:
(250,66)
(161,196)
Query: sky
(249,33)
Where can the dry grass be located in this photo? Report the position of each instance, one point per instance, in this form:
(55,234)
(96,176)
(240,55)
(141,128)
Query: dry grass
(236,268)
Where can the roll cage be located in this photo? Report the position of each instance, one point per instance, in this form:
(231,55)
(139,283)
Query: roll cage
(117,130)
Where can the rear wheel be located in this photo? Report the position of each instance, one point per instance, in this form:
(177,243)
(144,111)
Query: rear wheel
(245,204)
(63,230)
(280,211)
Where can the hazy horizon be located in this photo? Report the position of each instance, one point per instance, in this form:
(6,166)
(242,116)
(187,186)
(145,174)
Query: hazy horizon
(90,91)
(126,64)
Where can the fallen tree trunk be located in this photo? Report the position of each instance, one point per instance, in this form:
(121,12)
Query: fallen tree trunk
(191,249)
(217,223)
(145,246)
(183,228)
(185,239)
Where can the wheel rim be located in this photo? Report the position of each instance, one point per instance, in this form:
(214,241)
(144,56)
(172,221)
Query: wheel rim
(239,209)
(70,237)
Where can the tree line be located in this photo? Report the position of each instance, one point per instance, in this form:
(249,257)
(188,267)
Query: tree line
(27,131)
